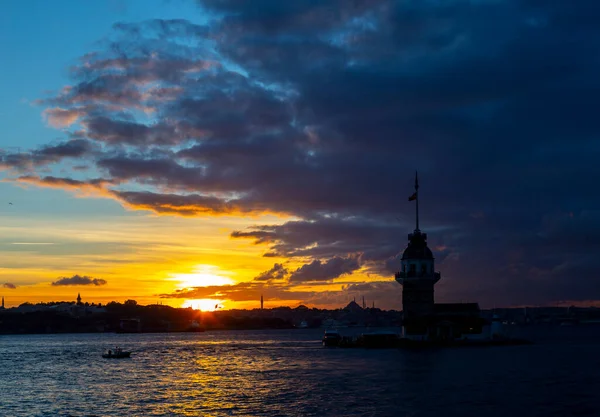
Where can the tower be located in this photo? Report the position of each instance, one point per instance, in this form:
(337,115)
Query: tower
(78,299)
(2,308)
(261,302)
(417,276)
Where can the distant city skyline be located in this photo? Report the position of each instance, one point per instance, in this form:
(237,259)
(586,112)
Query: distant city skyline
(204,153)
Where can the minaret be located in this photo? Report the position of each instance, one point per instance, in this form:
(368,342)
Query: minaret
(261,302)
(78,299)
(417,276)
(364,305)
(2,303)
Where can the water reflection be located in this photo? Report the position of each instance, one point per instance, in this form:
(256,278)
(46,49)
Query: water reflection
(281,373)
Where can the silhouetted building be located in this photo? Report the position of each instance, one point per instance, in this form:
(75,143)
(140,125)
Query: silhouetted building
(353,307)
(2,307)
(422,318)
(129,326)
(261,302)
(78,299)
(417,277)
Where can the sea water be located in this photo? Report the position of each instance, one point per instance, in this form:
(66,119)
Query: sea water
(289,373)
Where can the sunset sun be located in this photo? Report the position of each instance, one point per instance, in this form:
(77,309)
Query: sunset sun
(204,304)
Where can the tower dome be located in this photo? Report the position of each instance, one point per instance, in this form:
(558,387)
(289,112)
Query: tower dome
(417,247)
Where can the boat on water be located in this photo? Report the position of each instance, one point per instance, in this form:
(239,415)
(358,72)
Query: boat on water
(331,338)
(118,353)
(195,327)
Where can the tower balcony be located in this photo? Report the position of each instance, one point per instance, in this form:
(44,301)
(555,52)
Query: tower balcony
(403,276)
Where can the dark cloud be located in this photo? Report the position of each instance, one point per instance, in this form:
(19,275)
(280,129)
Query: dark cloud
(323,110)
(272,16)
(9,285)
(104,129)
(325,271)
(79,280)
(45,155)
(330,236)
(183,205)
(277,272)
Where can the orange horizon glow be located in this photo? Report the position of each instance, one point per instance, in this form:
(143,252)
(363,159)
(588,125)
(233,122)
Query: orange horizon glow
(145,256)
(203,276)
(141,256)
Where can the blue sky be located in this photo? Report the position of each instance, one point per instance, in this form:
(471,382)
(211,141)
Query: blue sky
(39,42)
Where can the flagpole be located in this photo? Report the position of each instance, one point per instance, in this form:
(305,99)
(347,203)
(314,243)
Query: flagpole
(417,193)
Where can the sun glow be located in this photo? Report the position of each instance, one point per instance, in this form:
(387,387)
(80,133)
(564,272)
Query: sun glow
(203,276)
(203,304)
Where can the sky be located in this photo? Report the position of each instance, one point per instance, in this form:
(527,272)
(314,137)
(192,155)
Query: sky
(202,153)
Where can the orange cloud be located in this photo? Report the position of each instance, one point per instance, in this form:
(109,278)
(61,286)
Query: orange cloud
(59,117)
(68,183)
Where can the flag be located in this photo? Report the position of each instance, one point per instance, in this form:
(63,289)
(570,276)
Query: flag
(413,197)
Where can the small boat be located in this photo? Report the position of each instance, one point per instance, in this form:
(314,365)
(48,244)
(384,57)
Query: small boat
(331,338)
(118,353)
(195,327)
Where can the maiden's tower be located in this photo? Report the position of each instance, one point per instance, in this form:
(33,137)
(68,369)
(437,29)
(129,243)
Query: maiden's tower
(423,319)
